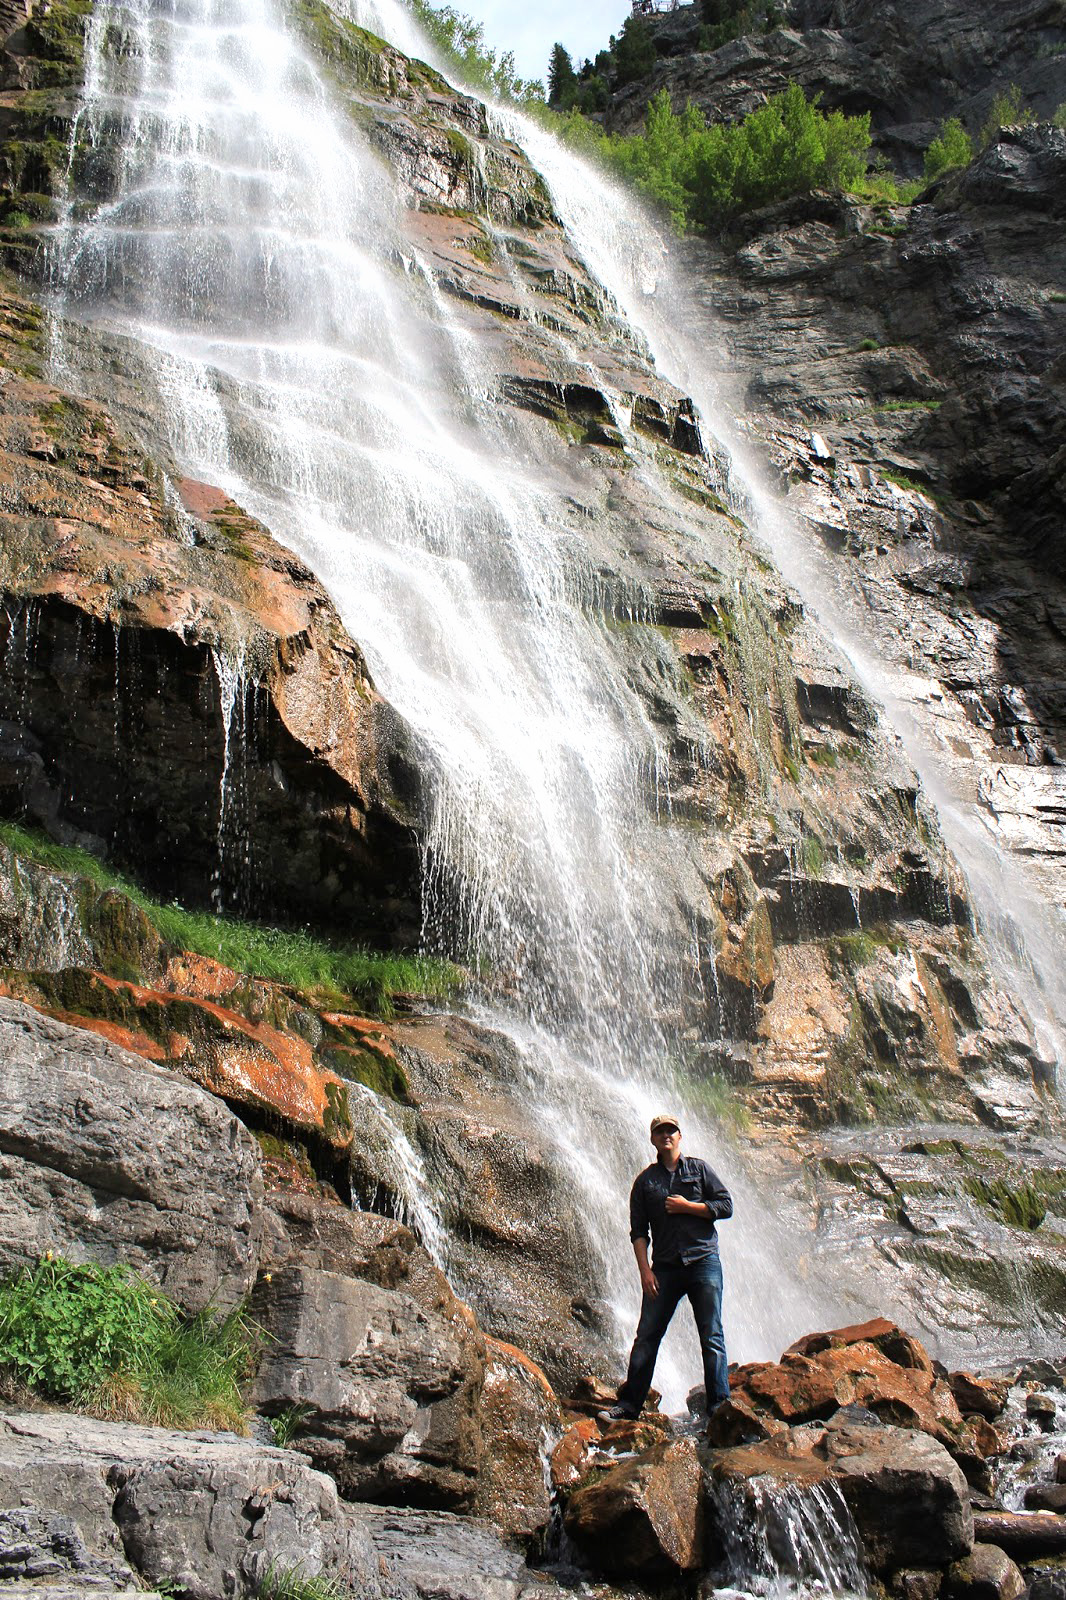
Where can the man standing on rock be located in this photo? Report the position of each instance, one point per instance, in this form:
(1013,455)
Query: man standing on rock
(678,1199)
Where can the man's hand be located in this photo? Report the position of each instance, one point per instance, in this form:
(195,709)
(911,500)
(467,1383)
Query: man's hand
(677,1202)
(649,1283)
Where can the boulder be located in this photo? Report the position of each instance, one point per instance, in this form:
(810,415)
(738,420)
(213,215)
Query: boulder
(520,1423)
(202,1514)
(1041,1407)
(1049,1584)
(436,1555)
(1046,1497)
(643,1520)
(373,1378)
(985,1397)
(908,1499)
(987,1573)
(893,1342)
(917,1583)
(1060,1469)
(104,1158)
(836,1370)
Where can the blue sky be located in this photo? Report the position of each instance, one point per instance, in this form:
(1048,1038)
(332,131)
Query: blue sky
(530,29)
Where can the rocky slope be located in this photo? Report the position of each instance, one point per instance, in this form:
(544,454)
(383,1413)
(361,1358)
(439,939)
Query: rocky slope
(180,696)
(910,66)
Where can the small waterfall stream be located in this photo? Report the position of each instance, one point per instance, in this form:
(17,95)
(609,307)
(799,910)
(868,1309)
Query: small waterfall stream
(1023,931)
(305,363)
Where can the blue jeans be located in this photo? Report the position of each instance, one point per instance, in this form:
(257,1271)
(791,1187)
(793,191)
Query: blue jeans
(702,1282)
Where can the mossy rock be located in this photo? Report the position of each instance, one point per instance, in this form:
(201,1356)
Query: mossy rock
(126,942)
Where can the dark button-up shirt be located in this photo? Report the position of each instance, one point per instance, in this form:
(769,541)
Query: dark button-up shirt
(678,1236)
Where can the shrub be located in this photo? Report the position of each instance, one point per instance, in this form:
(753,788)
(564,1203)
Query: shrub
(1008,110)
(952,147)
(460,40)
(104,1340)
(704,174)
(1059,116)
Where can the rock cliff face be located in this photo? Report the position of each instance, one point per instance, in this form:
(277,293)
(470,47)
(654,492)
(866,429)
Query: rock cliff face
(180,694)
(910,66)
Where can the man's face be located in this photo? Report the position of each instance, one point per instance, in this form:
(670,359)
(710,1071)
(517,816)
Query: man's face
(667,1141)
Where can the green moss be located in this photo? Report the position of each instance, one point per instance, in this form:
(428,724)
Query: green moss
(1020,1206)
(813,855)
(854,950)
(337,1117)
(346,1056)
(342,44)
(460,146)
(822,755)
(869,344)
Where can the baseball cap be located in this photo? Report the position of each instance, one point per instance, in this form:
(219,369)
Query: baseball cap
(664,1121)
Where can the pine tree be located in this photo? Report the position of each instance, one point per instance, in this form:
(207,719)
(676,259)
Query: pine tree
(562,79)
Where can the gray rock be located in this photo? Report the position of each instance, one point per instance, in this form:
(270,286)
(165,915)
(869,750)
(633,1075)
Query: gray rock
(204,1513)
(910,1501)
(373,1375)
(987,1573)
(105,1158)
(47,1547)
(444,1557)
(1047,1584)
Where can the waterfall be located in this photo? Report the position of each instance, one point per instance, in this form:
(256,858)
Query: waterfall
(302,359)
(782,1539)
(1023,929)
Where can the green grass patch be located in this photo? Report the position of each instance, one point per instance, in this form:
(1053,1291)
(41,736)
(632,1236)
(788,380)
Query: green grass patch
(105,1341)
(293,1583)
(903,481)
(327,973)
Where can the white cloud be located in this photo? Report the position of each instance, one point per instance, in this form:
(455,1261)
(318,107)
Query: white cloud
(531,30)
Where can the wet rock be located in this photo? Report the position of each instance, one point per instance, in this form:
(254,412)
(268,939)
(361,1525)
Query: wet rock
(643,1519)
(570,1456)
(1024,1537)
(206,1514)
(900,1347)
(985,1396)
(987,1573)
(735,1421)
(386,1393)
(907,1497)
(1041,1407)
(849,1367)
(206,619)
(520,1423)
(916,1583)
(1047,1585)
(106,1159)
(1046,1497)
(1060,1469)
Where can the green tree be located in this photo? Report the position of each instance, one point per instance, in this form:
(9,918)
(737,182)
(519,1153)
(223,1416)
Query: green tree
(952,147)
(634,52)
(562,79)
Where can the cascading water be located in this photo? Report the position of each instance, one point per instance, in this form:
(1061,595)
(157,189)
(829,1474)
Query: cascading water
(304,361)
(1023,930)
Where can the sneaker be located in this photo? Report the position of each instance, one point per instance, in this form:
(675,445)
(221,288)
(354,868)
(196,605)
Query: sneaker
(616,1413)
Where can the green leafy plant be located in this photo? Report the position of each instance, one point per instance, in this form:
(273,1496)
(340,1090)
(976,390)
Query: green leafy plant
(287,1424)
(460,42)
(952,147)
(1008,110)
(293,1583)
(1058,117)
(704,174)
(104,1340)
